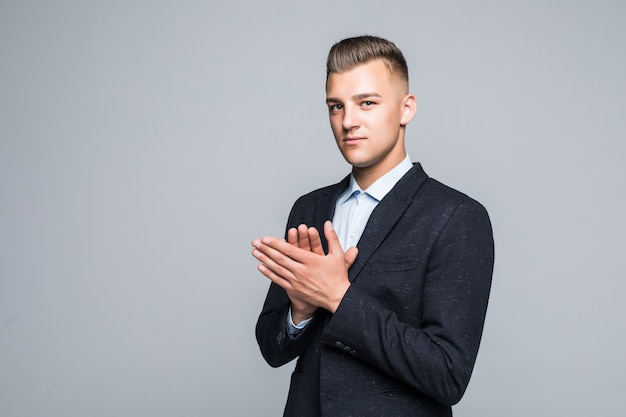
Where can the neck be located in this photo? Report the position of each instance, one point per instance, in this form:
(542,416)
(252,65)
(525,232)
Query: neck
(366,176)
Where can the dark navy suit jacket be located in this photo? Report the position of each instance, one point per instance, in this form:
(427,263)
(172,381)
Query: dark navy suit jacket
(405,337)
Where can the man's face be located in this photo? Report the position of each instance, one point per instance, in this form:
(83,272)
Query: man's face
(368,110)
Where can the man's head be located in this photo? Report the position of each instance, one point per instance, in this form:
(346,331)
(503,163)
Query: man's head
(369,105)
(350,52)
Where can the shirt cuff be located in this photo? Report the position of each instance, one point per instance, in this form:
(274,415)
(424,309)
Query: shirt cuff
(294,329)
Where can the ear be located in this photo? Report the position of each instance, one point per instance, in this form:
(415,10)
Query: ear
(409,107)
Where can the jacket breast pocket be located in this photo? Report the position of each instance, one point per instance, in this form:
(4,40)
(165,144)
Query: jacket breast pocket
(393,264)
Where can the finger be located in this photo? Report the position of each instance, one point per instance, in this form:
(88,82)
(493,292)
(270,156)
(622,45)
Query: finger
(303,237)
(315,241)
(334,247)
(350,256)
(284,253)
(271,267)
(292,236)
(275,278)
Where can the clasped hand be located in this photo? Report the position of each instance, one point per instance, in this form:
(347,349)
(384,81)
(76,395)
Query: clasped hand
(299,265)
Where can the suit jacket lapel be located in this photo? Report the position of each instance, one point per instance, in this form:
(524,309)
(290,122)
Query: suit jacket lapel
(386,215)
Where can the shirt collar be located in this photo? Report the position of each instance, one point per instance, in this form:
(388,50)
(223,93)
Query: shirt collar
(381,186)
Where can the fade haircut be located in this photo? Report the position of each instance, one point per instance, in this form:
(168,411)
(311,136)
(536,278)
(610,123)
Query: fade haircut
(351,52)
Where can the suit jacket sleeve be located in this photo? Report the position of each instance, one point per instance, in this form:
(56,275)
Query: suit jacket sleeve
(436,353)
(277,347)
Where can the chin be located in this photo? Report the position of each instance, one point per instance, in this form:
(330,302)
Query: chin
(359,164)
(355,160)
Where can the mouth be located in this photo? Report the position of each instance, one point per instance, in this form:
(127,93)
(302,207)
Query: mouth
(352,140)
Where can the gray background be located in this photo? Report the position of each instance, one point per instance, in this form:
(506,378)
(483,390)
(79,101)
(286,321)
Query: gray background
(144,144)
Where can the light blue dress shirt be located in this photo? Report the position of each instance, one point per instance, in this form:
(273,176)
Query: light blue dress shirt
(352,211)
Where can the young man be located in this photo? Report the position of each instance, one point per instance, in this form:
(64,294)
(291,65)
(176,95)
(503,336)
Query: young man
(391,326)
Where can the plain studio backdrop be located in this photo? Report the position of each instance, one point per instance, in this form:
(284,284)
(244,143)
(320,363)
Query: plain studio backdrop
(143,144)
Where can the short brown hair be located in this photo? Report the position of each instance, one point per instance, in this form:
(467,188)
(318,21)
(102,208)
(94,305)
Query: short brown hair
(350,52)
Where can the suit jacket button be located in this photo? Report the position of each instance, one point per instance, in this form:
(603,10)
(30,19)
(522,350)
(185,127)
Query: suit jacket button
(338,344)
(347,349)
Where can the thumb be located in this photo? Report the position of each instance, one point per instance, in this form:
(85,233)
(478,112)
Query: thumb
(334,246)
(350,256)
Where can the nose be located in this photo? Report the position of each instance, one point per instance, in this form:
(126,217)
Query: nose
(350,119)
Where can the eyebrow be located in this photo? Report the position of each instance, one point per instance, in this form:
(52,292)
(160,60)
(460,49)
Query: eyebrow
(355,97)
(365,95)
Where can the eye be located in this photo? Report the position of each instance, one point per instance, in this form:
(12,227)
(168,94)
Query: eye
(367,103)
(335,107)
